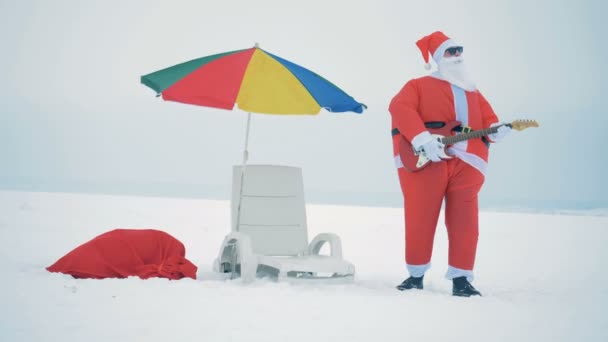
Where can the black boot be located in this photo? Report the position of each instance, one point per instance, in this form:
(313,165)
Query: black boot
(462,288)
(411,283)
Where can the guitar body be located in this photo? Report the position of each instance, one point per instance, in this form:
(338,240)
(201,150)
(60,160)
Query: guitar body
(416,160)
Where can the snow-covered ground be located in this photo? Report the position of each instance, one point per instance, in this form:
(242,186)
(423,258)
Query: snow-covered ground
(544,278)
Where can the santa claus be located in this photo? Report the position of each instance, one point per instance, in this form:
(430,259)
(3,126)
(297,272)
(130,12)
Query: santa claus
(446,95)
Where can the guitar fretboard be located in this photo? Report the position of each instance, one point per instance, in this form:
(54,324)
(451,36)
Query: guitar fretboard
(470,135)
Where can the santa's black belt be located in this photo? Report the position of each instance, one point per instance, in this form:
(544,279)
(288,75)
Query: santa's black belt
(430,124)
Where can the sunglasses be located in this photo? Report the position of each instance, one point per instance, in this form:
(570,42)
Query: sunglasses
(453,50)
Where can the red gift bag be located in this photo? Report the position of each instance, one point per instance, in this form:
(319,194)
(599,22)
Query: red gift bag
(121,253)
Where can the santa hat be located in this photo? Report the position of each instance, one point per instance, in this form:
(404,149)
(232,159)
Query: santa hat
(434,44)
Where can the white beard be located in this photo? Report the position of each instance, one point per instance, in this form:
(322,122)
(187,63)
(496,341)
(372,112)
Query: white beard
(453,70)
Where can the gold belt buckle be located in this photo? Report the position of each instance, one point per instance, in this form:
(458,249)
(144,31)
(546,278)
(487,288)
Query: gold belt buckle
(466,129)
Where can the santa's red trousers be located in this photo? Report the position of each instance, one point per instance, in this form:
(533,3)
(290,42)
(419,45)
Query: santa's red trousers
(423,193)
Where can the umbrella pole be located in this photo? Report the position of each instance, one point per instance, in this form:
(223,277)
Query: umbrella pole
(245,157)
(245,152)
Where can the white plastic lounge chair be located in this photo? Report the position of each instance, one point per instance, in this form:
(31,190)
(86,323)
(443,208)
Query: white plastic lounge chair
(269,234)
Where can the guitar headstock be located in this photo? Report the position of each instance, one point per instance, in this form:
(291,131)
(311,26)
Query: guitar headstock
(520,125)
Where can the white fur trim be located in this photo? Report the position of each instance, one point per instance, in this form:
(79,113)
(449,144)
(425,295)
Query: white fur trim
(469,158)
(398,162)
(441,49)
(418,271)
(454,272)
(421,139)
(427,66)
(461,107)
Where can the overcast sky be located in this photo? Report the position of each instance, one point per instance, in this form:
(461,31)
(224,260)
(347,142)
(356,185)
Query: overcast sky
(72,109)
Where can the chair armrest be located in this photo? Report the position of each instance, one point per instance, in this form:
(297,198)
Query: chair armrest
(334,242)
(246,258)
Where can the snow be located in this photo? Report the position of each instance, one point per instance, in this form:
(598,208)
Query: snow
(543,277)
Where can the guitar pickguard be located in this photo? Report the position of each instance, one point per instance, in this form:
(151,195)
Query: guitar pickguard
(422,159)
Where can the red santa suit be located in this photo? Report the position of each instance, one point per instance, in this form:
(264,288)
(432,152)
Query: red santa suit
(457,180)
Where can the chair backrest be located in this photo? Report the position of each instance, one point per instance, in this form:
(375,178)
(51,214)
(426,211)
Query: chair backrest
(273,210)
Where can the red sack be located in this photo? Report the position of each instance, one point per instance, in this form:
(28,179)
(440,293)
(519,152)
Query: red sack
(121,253)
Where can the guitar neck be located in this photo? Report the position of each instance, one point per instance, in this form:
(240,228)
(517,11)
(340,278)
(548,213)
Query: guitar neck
(470,135)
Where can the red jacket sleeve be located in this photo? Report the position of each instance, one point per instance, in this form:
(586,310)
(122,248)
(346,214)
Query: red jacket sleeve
(488,116)
(404,110)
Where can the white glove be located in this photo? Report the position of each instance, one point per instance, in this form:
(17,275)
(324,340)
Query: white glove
(432,149)
(502,132)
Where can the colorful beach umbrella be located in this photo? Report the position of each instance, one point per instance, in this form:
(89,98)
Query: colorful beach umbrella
(255,80)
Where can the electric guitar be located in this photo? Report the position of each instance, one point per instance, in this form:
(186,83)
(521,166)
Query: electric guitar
(414,160)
